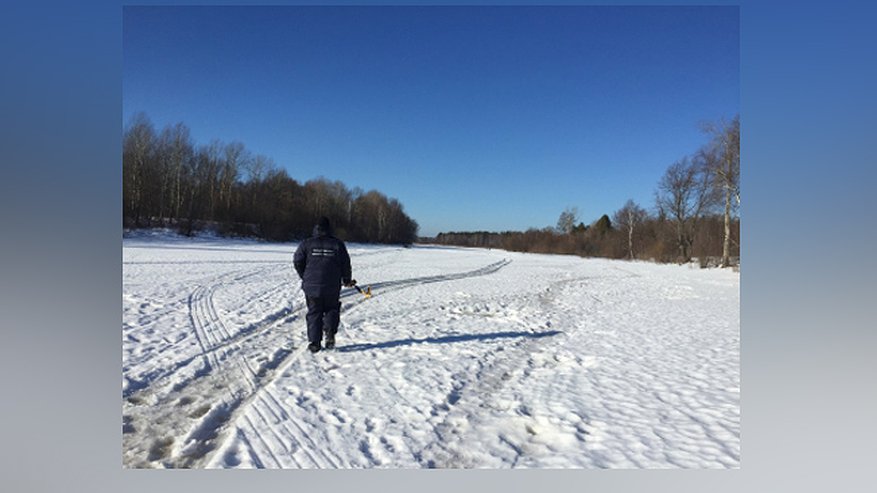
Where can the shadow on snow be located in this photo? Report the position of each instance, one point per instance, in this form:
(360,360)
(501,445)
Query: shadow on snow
(447,340)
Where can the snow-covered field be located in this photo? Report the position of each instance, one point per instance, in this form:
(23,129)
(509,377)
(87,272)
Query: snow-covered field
(463,358)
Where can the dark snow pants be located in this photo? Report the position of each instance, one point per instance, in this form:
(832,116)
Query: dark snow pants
(324,314)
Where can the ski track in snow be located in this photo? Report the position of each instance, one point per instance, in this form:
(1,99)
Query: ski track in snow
(463,358)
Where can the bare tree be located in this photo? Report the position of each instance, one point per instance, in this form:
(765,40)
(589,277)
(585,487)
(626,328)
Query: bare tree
(352,198)
(723,157)
(255,169)
(318,193)
(372,210)
(684,194)
(567,220)
(627,219)
(138,150)
(175,151)
(234,157)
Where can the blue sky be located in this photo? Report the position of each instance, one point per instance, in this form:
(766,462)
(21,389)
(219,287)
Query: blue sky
(475,118)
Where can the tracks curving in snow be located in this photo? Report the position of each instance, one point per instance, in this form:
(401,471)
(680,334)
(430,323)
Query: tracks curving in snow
(461,358)
(205,397)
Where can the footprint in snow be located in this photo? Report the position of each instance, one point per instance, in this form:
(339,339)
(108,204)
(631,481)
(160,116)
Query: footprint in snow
(352,391)
(340,417)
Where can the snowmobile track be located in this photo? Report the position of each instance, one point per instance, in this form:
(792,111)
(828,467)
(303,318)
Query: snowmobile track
(198,446)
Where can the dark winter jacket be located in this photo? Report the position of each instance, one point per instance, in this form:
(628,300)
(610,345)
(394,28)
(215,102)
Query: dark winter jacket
(322,263)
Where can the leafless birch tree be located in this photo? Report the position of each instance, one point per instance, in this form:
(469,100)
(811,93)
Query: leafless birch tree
(628,218)
(567,220)
(138,150)
(723,156)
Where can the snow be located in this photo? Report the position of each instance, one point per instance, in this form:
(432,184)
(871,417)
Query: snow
(463,358)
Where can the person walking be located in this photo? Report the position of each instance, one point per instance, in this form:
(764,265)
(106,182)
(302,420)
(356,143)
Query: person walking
(323,264)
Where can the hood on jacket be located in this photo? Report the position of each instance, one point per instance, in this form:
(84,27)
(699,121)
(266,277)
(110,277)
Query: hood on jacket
(323,227)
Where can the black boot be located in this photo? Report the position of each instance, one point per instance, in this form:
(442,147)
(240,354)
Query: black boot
(313,347)
(329,332)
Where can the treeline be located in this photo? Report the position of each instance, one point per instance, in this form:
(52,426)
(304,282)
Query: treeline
(694,215)
(170,181)
(654,239)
